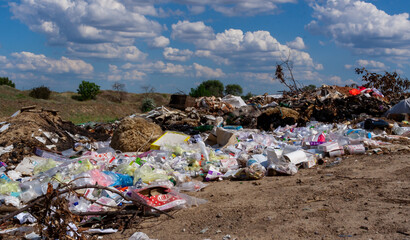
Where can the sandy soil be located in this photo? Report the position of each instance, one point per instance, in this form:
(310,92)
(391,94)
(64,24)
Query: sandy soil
(364,197)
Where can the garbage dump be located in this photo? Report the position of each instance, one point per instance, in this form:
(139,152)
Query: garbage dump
(94,184)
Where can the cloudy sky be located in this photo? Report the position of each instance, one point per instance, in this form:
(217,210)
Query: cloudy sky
(176,44)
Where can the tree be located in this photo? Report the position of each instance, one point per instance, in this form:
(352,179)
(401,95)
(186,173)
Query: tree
(391,84)
(88,90)
(233,89)
(287,80)
(208,88)
(7,81)
(119,88)
(310,87)
(148,90)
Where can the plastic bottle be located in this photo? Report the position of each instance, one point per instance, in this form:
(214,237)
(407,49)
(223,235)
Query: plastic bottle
(204,151)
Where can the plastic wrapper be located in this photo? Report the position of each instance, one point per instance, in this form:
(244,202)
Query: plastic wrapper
(193,186)
(107,178)
(25,218)
(44,166)
(139,236)
(147,174)
(254,172)
(400,130)
(127,168)
(14,201)
(213,174)
(283,168)
(100,178)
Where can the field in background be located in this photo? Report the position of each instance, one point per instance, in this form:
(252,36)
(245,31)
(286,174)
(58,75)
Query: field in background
(103,109)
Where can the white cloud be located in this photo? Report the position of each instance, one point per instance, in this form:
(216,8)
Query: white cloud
(139,71)
(348,66)
(210,55)
(188,31)
(116,74)
(363,28)
(165,68)
(196,9)
(177,54)
(255,51)
(371,63)
(207,72)
(318,66)
(256,77)
(335,80)
(30,62)
(238,7)
(3,59)
(89,22)
(160,42)
(298,43)
(108,51)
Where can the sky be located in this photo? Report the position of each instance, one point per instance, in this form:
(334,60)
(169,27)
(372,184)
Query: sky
(174,45)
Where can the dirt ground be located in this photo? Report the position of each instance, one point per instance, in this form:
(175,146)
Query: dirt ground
(363,197)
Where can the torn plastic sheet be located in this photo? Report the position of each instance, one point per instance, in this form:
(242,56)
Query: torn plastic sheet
(105,231)
(7,149)
(4,127)
(41,139)
(25,217)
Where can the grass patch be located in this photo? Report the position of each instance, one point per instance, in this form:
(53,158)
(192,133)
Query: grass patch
(80,118)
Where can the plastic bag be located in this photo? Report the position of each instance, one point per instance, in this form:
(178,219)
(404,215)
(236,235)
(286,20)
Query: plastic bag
(7,187)
(120,179)
(147,175)
(193,186)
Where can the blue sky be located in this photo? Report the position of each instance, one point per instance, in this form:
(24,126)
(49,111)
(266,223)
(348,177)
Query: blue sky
(176,44)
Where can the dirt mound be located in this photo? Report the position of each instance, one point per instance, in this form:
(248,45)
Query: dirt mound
(33,128)
(278,116)
(135,134)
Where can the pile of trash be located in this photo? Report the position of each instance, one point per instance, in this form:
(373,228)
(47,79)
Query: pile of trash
(31,128)
(105,185)
(327,104)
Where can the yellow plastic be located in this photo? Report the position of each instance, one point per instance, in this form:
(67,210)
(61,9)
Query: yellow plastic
(169,137)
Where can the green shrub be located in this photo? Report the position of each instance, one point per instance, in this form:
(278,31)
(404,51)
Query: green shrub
(88,90)
(147,104)
(7,81)
(247,96)
(41,92)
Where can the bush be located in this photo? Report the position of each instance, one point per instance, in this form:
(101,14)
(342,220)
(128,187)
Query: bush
(41,92)
(7,81)
(147,104)
(233,89)
(208,88)
(88,90)
(247,96)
